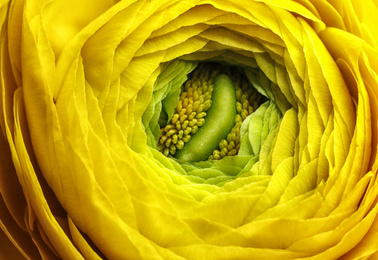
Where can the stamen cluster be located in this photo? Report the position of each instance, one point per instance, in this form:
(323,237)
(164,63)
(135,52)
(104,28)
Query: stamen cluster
(190,112)
(195,100)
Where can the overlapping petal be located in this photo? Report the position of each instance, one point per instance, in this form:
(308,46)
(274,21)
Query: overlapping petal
(81,95)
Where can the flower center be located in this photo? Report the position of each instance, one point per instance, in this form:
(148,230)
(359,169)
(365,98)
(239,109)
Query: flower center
(213,104)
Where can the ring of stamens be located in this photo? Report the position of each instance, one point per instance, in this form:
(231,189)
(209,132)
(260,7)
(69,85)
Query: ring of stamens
(195,100)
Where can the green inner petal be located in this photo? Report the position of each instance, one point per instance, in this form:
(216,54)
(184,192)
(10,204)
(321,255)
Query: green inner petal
(168,86)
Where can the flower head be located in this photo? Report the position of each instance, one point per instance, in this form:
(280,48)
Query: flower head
(92,162)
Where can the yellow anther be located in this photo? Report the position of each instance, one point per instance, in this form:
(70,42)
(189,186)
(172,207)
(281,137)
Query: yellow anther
(186,138)
(172,149)
(238,93)
(223,144)
(196,105)
(201,115)
(250,110)
(217,157)
(231,137)
(188,84)
(205,97)
(194,129)
(179,106)
(168,142)
(238,118)
(210,88)
(181,134)
(175,139)
(232,152)
(200,122)
(189,109)
(200,108)
(192,115)
(193,122)
(185,124)
(163,139)
(190,92)
(197,84)
(187,130)
(224,152)
(182,112)
(239,107)
(231,145)
(161,147)
(236,130)
(185,103)
(175,118)
(180,144)
(183,118)
(244,114)
(196,95)
(206,105)
(202,99)
(168,127)
(178,125)
(166,151)
(237,126)
(184,95)
(171,132)
(245,104)
(204,87)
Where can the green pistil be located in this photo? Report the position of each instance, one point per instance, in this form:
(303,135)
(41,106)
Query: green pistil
(219,122)
(247,101)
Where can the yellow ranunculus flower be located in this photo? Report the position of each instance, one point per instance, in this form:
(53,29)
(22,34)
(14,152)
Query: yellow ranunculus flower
(85,84)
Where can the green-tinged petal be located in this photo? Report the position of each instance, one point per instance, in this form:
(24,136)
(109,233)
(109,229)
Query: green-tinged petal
(286,139)
(165,97)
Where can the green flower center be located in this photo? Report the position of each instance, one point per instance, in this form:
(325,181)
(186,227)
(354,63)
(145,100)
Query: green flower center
(203,126)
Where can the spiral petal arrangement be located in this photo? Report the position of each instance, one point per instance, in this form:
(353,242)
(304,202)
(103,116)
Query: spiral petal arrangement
(84,84)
